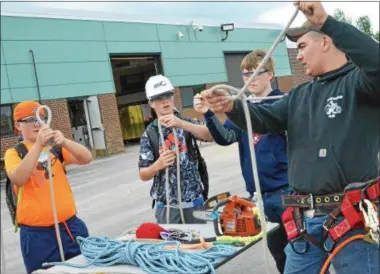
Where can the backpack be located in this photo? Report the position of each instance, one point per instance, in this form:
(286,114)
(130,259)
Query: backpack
(193,150)
(10,197)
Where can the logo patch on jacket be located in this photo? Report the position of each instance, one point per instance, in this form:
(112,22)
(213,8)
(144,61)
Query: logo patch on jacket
(332,107)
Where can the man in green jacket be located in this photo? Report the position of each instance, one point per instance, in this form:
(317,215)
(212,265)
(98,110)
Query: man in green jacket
(333,126)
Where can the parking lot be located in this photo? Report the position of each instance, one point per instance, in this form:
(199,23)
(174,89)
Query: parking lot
(111,198)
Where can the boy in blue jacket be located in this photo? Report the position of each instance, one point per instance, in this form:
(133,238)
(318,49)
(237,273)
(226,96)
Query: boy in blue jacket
(270,151)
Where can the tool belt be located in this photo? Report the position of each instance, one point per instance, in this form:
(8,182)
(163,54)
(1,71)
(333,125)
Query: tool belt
(338,205)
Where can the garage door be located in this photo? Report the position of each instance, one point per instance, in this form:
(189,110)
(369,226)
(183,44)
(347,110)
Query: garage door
(233,61)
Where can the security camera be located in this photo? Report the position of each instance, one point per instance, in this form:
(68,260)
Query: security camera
(200,28)
(180,35)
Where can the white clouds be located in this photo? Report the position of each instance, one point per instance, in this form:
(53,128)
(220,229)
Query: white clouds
(268,12)
(75,5)
(356,9)
(281,15)
(95,5)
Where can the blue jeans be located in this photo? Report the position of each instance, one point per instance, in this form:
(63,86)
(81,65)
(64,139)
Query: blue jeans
(39,244)
(357,257)
(277,238)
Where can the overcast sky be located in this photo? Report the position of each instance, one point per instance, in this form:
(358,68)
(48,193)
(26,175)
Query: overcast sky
(221,12)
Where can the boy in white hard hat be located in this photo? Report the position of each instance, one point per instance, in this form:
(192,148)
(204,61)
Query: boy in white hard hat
(156,157)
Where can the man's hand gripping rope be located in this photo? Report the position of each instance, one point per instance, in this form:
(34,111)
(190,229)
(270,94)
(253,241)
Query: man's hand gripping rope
(226,104)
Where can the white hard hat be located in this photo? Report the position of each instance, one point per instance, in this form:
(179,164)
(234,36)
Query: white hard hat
(157,86)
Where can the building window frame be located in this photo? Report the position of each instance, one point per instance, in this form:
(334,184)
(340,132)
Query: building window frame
(11,131)
(195,90)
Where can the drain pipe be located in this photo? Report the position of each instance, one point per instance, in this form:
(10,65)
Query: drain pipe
(35,74)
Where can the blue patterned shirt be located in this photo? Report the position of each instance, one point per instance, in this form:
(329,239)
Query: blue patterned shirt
(191,184)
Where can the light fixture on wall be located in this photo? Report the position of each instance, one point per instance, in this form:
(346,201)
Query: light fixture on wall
(227,28)
(180,35)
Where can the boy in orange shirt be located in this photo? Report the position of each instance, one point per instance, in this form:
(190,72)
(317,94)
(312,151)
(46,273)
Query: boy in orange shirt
(29,178)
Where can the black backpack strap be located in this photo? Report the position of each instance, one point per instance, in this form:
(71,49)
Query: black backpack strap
(10,195)
(21,149)
(195,154)
(57,152)
(154,142)
(190,145)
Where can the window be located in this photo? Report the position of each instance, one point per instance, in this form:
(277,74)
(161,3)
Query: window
(134,83)
(6,120)
(188,93)
(77,112)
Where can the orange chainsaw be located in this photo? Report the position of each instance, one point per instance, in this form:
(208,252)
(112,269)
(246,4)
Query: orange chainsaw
(237,218)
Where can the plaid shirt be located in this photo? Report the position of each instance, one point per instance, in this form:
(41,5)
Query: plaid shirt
(191,185)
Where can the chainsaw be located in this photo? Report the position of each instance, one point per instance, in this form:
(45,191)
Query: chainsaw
(238,218)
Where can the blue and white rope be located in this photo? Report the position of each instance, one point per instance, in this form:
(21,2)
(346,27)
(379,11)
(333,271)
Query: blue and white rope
(152,258)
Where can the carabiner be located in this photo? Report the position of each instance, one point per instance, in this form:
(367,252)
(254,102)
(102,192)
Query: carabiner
(303,251)
(371,219)
(332,246)
(49,116)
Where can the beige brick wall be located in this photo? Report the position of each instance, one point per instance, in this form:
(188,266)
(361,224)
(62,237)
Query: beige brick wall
(285,83)
(177,99)
(298,70)
(111,122)
(7,142)
(61,118)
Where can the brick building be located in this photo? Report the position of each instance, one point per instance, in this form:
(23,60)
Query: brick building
(92,73)
(297,69)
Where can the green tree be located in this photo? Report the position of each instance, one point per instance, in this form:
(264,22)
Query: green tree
(363,23)
(341,16)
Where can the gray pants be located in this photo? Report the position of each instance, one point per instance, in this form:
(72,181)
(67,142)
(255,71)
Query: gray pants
(175,217)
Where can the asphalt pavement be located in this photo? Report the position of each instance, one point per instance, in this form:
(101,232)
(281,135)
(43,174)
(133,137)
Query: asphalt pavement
(111,198)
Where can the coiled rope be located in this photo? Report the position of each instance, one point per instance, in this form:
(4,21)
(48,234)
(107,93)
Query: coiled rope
(152,258)
(240,95)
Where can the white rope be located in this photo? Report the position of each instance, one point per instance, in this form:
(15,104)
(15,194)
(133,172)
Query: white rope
(179,189)
(167,179)
(49,167)
(240,94)
(258,99)
(166,174)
